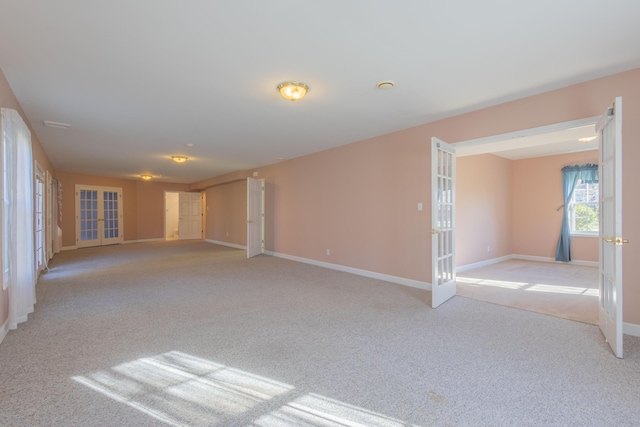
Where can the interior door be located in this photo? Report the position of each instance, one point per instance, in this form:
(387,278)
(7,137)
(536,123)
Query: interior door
(443,205)
(609,130)
(98,216)
(190,216)
(255,217)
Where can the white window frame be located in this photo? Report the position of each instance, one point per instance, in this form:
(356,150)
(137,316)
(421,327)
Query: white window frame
(593,187)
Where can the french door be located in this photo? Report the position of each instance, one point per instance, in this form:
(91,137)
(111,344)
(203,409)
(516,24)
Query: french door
(443,210)
(609,130)
(98,216)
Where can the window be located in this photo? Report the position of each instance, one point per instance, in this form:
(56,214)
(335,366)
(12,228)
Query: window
(584,208)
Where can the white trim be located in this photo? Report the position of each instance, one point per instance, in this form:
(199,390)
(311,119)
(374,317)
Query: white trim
(4,330)
(631,329)
(582,234)
(366,273)
(68,248)
(550,259)
(232,245)
(483,263)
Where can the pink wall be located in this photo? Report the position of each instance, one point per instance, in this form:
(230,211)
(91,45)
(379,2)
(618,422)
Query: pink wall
(359,200)
(226,212)
(150,208)
(143,205)
(483,203)
(8,100)
(537,193)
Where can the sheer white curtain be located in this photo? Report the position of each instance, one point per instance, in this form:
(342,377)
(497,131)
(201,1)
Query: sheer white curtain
(17,217)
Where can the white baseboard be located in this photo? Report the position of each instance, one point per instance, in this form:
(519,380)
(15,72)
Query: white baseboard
(68,248)
(366,273)
(551,259)
(631,329)
(231,245)
(4,330)
(483,263)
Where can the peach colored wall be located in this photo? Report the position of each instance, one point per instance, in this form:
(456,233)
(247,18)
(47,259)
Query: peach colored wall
(226,212)
(143,205)
(8,100)
(359,200)
(483,203)
(150,207)
(537,194)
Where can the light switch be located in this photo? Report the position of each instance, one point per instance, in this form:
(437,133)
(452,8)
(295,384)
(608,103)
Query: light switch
(420,206)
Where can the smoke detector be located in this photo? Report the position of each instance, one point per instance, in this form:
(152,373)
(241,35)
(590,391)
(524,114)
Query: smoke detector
(385,85)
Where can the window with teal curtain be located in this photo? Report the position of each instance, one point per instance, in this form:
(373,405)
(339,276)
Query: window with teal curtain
(571,175)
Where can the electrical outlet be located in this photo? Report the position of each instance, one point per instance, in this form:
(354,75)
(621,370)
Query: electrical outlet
(227,234)
(488,248)
(328,251)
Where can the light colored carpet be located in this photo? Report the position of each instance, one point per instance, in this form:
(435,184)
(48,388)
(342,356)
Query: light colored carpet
(563,290)
(179,333)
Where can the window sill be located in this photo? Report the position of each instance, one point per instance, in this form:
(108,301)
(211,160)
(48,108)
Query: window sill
(584,235)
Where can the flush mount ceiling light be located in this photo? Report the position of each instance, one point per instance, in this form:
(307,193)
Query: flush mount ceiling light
(190,145)
(146,177)
(588,139)
(179,159)
(56,125)
(385,85)
(293,91)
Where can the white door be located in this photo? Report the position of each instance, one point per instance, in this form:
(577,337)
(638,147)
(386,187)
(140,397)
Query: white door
(255,217)
(98,216)
(443,209)
(190,216)
(609,130)
(49,215)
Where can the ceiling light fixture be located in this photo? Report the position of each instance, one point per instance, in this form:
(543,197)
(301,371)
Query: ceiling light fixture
(385,85)
(293,91)
(190,145)
(587,139)
(179,159)
(56,125)
(146,177)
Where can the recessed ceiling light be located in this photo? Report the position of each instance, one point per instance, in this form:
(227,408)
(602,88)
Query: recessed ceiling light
(190,145)
(587,139)
(179,159)
(385,85)
(146,177)
(293,91)
(56,125)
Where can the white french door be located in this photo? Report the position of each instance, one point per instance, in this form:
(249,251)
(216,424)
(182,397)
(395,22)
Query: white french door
(443,208)
(39,218)
(98,216)
(255,217)
(609,130)
(190,216)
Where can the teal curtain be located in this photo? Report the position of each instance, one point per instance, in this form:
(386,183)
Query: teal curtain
(570,177)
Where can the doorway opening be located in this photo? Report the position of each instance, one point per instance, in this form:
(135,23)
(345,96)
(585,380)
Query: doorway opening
(172,216)
(512,197)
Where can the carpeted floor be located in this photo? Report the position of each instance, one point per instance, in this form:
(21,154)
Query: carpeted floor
(563,290)
(183,333)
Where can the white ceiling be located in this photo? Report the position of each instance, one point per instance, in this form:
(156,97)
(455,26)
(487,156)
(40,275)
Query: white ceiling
(139,79)
(537,145)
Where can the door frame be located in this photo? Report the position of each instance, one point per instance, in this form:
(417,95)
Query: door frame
(514,136)
(99,188)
